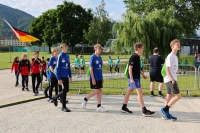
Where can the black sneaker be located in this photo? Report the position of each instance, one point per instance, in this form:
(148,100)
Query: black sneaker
(27,89)
(147,113)
(126,110)
(16,85)
(66,109)
(37,92)
(55,102)
(22,89)
(161,95)
(45,93)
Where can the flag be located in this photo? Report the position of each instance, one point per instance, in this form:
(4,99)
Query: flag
(22,35)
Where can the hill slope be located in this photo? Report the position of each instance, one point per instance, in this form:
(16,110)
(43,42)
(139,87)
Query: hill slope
(17,18)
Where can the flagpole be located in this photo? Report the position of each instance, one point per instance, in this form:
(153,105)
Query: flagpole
(10,50)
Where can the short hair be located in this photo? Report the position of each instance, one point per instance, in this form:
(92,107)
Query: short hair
(54,49)
(81,56)
(36,52)
(42,57)
(48,59)
(98,46)
(24,55)
(76,55)
(155,50)
(138,45)
(173,42)
(62,45)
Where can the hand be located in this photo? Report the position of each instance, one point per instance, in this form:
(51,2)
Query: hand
(60,82)
(144,76)
(132,81)
(93,82)
(70,80)
(173,81)
(11,71)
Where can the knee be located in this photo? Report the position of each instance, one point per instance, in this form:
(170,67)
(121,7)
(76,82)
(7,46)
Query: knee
(178,96)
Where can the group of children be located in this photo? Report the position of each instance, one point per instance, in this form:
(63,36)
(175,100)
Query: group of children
(110,63)
(60,73)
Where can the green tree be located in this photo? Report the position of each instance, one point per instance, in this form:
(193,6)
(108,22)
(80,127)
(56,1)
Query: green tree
(186,11)
(156,29)
(100,27)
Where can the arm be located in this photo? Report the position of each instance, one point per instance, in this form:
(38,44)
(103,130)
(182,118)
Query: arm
(169,74)
(19,67)
(29,66)
(12,67)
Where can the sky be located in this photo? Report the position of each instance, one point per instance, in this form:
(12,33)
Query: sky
(115,8)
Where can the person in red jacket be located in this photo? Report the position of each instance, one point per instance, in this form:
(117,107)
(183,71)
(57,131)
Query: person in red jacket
(35,72)
(14,67)
(44,67)
(24,70)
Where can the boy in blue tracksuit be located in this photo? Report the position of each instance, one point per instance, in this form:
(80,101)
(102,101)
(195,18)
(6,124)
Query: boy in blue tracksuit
(64,76)
(48,78)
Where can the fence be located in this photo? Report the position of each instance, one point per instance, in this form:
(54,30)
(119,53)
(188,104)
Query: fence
(188,79)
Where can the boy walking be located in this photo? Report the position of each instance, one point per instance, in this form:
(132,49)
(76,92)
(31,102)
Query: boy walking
(134,80)
(64,76)
(24,69)
(96,78)
(44,68)
(76,67)
(171,80)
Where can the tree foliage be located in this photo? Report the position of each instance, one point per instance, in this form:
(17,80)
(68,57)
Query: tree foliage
(186,11)
(100,27)
(156,29)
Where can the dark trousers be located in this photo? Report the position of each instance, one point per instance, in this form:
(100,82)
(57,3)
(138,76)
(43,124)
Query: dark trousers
(24,81)
(34,77)
(64,91)
(44,73)
(111,67)
(117,68)
(54,83)
(17,77)
(49,85)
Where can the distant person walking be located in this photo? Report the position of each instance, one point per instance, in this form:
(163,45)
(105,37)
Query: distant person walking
(76,67)
(14,67)
(156,62)
(117,65)
(110,63)
(82,64)
(44,65)
(24,70)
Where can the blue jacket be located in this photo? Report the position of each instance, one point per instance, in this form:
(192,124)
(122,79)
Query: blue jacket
(52,62)
(63,69)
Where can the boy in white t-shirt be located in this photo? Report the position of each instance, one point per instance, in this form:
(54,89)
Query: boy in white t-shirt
(171,80)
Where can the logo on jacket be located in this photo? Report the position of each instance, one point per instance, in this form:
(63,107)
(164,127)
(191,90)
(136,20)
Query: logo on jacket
(54,62)
(66,64)
(63,61)
(97,62)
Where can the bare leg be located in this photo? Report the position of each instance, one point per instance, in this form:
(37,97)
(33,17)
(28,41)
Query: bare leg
(140,97)
(152,84)
(95,92)
(160,86)
(99,96)
(169,97)
(127,95)
(174,100)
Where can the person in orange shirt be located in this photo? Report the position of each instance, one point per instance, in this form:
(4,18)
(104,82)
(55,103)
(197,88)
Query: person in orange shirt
(14,67)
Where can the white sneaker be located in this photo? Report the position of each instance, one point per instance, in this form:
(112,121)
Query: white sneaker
(84,103)
(102,109)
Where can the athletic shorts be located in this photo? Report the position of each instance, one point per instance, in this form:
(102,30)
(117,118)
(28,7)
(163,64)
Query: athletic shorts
(172,88)
(158,78)
(82,68)
(76,67)
(135,85)
(98,85)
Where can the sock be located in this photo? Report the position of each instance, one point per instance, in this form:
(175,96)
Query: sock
(85,99)
(166,108)
(152,93)
(124,106)
(160,92)
(98,105)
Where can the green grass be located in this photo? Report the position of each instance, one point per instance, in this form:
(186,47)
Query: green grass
(7,57)
(115,86)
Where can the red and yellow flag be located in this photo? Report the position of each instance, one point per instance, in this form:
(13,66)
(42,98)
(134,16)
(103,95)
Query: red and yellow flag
(22,35)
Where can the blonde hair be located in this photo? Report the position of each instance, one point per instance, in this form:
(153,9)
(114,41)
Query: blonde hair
(62,45)
(96,46)
(138,45)
(54,49)
(24,55)
(173,42)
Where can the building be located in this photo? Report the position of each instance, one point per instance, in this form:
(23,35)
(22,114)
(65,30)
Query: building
(11,42)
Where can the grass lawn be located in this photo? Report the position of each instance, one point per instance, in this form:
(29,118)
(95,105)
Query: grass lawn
(115,86)
(6,58)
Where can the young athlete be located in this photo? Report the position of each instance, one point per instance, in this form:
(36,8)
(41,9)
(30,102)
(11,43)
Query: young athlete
(35,72)
(52,73)
(82,64)
(117,65)
(14,67)
(96,78)
(44,65)
(24,70)
(110,63)
(48,78)
(171,80)
(186,65)
(134,80)
(64,76)
(76,67)
(156,62)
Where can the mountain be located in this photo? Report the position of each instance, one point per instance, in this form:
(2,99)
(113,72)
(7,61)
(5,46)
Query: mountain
(17,18)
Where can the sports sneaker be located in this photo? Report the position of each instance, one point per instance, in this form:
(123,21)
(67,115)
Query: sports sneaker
(126,110)
(101,108)
(22,89)
(50,100)
(65,109)
(165,113)
(152,95)
(147,113)
(35,94)
(161,95)
(55,102)
(27,89)
(84,103)
(172,117)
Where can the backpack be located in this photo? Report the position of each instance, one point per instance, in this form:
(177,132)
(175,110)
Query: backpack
(126,71)
(163,71)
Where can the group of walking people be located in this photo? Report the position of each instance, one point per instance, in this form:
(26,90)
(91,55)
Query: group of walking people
(59,73)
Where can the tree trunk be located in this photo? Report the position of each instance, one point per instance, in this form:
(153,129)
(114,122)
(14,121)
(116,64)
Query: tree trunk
(50,49)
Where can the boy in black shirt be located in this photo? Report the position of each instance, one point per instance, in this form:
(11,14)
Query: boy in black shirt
(134,81)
